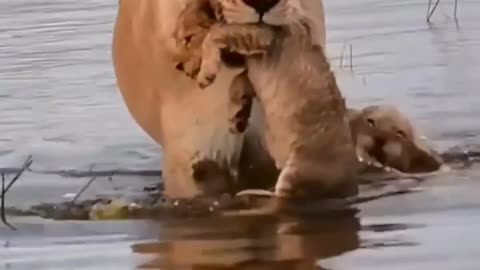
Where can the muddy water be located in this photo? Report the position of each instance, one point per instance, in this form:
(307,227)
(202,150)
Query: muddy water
(58,101)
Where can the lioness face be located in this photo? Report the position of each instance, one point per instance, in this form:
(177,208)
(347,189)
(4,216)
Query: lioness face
(388,136)
(272,12)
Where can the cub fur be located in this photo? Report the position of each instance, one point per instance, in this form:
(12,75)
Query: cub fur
(384,135)
(307,130)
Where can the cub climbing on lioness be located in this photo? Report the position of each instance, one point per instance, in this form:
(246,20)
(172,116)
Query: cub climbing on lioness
(307,132)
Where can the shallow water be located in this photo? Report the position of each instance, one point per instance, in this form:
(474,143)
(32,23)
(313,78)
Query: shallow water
(59,102)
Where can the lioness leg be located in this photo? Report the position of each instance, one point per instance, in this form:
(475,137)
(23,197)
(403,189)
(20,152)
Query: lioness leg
(240,38)
(241,94)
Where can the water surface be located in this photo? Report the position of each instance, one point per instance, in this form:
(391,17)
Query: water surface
(59,102)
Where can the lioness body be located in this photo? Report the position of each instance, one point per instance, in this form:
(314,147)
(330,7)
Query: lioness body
(172,110)
(168,106)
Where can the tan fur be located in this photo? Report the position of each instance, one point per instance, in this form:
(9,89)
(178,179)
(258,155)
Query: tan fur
(189,124)
(307,132)
(192,26)
(199,36)
(284,12)
(195,23)
(385,135)
(169,107)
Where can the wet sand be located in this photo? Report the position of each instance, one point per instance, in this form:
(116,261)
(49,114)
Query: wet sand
(60,103)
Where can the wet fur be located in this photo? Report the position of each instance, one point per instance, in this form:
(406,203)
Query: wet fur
(200,39)
(199,155)
(267,205)
(188,124)
(305,111)
(379,144)
(406,154)
(384,135)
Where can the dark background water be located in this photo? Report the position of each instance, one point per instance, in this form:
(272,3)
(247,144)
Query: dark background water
(59,102)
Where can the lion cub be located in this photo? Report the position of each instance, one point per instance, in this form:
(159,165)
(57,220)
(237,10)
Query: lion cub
(307,132)
(199,19)
(384,135)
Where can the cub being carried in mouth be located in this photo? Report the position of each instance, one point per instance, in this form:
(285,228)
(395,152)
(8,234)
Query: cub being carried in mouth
(307,131)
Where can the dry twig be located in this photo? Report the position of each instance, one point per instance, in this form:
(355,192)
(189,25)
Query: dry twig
(351,58)
(430,12)
(3,216)
(455,10)
(343,54)
(84,187)
(428,8)
(5,188)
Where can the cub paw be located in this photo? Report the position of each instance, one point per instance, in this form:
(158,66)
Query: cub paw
(204,80)
(191,68)
(283,192)
(284,188)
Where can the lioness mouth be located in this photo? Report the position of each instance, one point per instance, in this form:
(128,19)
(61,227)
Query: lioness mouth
(231,59)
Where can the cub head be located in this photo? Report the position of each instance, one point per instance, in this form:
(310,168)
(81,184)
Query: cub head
(385,134)
(193,24)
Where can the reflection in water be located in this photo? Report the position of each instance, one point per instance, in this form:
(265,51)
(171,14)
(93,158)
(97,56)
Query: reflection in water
(262,242)
(252,243)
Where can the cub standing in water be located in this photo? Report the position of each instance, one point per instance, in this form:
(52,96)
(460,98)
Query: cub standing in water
(307,132)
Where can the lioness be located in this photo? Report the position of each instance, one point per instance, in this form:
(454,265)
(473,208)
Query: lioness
(307,132)
(188,123)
